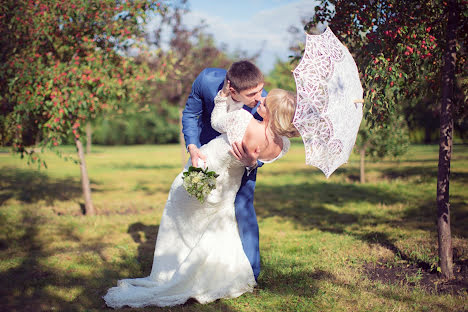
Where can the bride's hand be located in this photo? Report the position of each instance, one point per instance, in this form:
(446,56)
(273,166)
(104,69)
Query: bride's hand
(241,153)
(195,154)
(225,90)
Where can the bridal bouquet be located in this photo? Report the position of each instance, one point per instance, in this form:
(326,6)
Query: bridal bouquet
(199,182)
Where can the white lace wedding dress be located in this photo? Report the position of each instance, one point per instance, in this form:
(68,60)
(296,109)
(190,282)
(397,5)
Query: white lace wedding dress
(198,250)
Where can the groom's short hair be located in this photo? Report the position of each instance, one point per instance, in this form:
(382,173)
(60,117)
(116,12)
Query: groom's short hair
(244,75)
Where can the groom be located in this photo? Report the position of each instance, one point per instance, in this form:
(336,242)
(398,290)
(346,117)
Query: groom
(246,86)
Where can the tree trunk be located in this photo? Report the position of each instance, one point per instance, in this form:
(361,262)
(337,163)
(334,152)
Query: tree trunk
(89,208)
(362,176)
(445,146)
(37,142)
(89,135)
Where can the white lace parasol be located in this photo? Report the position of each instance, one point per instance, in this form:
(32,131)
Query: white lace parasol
(329,101)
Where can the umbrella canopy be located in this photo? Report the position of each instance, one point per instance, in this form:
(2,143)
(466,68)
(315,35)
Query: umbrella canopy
(329,101)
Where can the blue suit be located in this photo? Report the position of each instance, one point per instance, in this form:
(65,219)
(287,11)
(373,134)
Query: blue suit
(196,122)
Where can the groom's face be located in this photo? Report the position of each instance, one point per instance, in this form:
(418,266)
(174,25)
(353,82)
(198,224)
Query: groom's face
(249,97)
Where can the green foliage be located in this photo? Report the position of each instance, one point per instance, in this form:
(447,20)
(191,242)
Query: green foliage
(281,76)
(62,65)
(390,139)
(155,120)
(150,125)
(191,52)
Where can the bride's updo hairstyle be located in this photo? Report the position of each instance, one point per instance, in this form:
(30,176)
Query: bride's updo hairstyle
(244,75)
(281,105)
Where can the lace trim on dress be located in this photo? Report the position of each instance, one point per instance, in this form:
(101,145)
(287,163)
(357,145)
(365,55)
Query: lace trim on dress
(128,295)
(286,146)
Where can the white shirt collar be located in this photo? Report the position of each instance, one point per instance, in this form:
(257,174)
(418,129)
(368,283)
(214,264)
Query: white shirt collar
(233,105)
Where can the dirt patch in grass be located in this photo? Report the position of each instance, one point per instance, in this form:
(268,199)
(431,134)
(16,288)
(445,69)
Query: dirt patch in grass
(403,273)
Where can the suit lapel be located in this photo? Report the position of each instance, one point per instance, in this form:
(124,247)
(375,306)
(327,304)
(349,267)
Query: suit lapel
(253,111)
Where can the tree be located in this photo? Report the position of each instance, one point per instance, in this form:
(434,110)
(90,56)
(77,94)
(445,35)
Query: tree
(62,64)
(399,46)
(281,76)
(191,51)
(390,139)
(182,52)
(446,143)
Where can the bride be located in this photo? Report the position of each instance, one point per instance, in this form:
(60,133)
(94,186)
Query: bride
(198,251)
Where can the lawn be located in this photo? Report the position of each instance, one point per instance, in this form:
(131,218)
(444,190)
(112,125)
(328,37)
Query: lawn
(326,244)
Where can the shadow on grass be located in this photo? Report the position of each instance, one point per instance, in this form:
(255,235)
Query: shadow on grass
(131,166)
(460,177)
(307,284)
(305,204)
(403,160)
(383,240)
(300,282)
(145,236)
(289,279)
(38,283)
(425,174)
(43,281)
(423,215)
(459,216)
(32,186)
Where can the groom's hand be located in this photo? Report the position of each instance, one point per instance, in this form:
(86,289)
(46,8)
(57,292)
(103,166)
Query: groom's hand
(195,154)
(241,153)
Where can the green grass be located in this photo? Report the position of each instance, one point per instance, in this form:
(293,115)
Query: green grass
(316,234)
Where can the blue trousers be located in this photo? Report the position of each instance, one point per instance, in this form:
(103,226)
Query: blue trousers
(247,221)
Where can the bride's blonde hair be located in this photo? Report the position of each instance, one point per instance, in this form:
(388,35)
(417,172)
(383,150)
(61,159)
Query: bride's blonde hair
(281,105)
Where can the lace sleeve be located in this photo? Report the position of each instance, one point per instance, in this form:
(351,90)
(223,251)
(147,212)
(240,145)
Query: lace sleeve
(234,123)
(219,114)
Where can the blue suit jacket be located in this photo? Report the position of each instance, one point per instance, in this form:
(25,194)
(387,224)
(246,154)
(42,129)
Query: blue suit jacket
(196,122)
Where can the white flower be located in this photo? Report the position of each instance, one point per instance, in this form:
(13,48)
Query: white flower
(199,183)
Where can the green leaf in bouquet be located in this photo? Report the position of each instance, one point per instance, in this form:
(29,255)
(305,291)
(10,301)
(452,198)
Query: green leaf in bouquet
(212,174)
(194,169)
